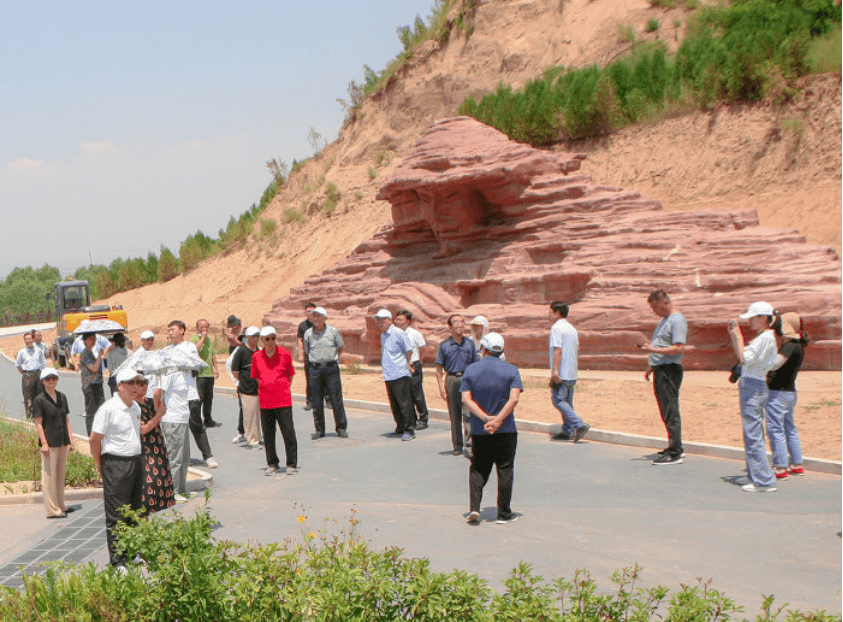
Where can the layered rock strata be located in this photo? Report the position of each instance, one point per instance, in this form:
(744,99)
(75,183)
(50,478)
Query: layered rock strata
(486,226)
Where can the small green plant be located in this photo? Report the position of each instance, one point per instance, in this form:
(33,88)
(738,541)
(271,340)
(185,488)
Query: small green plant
(824,403)
(358,195)
(354,369)
(824,52)
(382,158)
(653,25)
(332,198)
(372,173)
(626,33)
(291,214)
(677,24)
(268,227)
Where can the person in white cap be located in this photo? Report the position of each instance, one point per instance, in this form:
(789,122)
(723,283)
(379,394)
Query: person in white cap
(55,438)
(272,369)
(664,363)
(323,346)
(395,356)
(247,387)
(116,449)
(756,359)
(490,390)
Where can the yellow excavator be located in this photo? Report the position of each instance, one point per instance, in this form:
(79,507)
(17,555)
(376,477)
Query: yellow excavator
(73,304)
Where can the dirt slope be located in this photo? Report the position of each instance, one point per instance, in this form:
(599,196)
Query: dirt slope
(737,158)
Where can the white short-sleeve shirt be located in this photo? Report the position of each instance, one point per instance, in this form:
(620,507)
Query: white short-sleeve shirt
(120,427)
(759,356)
(564,336)
(416,341)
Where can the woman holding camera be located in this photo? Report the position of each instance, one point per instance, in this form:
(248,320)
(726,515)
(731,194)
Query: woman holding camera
(756,359)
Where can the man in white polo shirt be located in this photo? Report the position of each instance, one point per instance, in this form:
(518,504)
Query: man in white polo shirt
(564,350)
(395,356)
(116,448)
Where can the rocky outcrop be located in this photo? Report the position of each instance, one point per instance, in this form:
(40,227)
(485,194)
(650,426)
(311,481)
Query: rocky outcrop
(484,225)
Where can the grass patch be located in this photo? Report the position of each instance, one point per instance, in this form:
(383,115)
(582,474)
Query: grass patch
(372,173)
(824,52)
(824,403)
(653,25)
(20,458)
(332,198)
(354,369)
(291,214)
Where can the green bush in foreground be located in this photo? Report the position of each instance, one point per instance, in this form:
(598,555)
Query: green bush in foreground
(334,576)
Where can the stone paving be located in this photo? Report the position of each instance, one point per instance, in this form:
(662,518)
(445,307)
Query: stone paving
(77,539)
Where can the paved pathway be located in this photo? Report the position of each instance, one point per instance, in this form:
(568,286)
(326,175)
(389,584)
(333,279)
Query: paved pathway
(591,505)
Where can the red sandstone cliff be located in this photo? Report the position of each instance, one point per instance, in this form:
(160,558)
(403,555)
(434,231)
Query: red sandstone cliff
(484,225)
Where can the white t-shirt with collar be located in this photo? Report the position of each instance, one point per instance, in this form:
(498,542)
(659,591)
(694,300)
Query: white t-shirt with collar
(120,427)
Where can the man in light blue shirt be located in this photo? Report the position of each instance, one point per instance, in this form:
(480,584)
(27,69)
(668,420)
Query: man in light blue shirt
(564,347)
(30,361)
(395,361)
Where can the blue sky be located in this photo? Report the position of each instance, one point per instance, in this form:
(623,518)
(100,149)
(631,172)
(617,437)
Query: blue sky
(128,125)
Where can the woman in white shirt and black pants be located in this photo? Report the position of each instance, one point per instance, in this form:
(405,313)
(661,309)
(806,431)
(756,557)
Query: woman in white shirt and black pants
(756,360)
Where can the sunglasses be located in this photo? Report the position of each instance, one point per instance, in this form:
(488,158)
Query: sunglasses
(269,338)
(53,378)
(135,382)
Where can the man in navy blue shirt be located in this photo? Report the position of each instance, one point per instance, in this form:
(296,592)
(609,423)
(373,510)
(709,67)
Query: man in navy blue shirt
(490,390)
(454,355)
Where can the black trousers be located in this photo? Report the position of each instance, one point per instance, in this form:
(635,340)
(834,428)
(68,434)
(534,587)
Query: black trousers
(401,403)
(493,450)
(667,379)
(307,392)
(205,387)
(197,428)
(240,427)
(30,381)
(94,398)
(122,484)
(417,392)
(325,380)
(284,418)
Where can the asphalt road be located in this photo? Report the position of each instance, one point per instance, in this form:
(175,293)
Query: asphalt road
(592,505)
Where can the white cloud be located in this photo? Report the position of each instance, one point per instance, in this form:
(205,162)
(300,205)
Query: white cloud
(106,146)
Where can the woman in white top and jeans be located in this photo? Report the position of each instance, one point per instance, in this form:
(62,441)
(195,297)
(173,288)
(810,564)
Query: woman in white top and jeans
(756,360)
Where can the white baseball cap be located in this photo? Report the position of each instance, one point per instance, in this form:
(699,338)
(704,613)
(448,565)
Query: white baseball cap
(321,311)
(383,313)
(125,375)
(268,330)
(147,334)
(48,371)
(757,308)
(493,342)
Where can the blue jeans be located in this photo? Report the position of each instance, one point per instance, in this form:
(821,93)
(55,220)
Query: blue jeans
(784,439)
(562,397)
(753,394)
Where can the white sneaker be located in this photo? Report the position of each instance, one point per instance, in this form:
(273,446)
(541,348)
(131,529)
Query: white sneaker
(179,498)
(271,471)
(750,487)
(256,447)
(291,470)
(211,463)
(473,518)
(238,439)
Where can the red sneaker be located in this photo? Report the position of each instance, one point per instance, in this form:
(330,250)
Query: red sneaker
(796,469)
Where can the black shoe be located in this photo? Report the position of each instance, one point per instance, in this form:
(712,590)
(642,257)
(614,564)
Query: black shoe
(342,433)
(561,436)
(667,459)
(510,519)
(421,425)
(580,432)
(72,508)
(395,434)
(62,515)
(316,436)
(213,424)
(308,406)
(667,449)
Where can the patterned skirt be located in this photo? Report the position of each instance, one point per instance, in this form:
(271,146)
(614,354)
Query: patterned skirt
(157,491)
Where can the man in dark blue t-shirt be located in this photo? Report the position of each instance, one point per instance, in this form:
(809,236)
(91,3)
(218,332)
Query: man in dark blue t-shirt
(490,390)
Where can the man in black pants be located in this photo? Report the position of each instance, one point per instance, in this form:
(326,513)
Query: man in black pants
(404,320)
(455,354)
(323,346)
(664,363)
(116,448)
(308,309)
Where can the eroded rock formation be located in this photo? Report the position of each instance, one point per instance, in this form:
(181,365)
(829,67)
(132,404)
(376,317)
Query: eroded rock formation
(484,225)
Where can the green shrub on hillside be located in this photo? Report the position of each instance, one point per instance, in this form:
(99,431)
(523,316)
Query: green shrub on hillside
(744,52)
